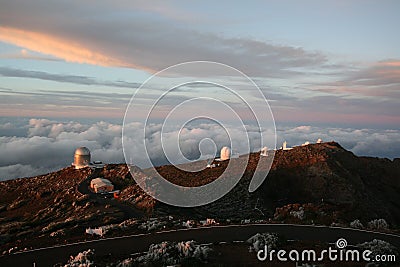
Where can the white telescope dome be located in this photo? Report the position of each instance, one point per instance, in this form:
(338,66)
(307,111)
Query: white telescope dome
(225,153)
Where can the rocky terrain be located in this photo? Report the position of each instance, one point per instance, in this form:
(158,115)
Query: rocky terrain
(313,184)
(330,184)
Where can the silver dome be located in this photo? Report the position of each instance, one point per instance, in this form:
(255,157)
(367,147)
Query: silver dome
(82,151)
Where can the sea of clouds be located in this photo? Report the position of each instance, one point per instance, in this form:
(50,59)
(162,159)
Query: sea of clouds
(36,146)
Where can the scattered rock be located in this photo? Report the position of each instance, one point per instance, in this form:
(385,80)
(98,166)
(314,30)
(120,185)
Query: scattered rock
(260,240)
(83,259)
(172,253)
(378,224)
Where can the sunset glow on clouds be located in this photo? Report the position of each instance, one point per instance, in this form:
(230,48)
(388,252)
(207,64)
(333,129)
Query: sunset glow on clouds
(76,48)
(69,51)
(333,64)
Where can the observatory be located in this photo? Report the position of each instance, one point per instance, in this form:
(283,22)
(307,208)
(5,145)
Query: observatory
(225,153)
(284,146)
(81,157)
(264,152)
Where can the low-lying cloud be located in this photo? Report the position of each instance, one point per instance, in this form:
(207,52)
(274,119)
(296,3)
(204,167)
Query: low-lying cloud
(362,142)
(41,145)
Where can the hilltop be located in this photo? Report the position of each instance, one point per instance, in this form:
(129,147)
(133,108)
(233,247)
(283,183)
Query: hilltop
(325,176)
(318,183)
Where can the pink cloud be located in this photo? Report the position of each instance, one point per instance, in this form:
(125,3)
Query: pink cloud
(70,51)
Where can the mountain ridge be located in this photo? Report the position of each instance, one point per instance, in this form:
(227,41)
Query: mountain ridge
(318,183)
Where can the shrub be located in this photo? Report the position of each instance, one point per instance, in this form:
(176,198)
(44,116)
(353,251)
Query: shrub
(258,241)
(378,224)
(83,259)
(379,247)
(356,224)
(172,253)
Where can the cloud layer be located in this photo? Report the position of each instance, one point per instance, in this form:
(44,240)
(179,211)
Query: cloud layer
(47,145)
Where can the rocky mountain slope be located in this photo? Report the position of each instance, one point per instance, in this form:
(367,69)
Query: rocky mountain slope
(327,173)
(332,180)
(318,183)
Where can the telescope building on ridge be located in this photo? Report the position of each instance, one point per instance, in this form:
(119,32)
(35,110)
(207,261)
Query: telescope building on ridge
(81,158)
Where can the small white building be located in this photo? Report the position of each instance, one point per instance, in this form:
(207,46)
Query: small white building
(284,146)
(210,163)
(95,231)
(264,152)
(305,144)
(101,185)
(97,165)
(319,141)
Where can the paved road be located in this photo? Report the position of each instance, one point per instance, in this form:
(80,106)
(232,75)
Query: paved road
(139,243)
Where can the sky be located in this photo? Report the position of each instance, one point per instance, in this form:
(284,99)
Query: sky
(332,67)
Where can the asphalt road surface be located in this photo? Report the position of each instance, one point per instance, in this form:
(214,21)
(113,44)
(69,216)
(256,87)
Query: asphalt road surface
(139,243)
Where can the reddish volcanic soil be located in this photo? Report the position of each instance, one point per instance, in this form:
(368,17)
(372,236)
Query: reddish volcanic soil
(314,184)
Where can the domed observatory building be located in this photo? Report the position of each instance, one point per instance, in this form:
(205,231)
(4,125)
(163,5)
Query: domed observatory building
(225,153)
(81,158)
(264,152)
